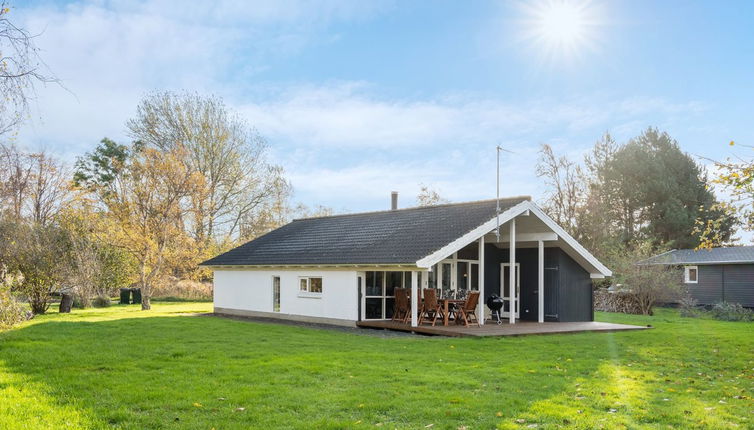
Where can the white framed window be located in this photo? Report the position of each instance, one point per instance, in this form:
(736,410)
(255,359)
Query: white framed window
(691,274)
(276,294)
(310,286)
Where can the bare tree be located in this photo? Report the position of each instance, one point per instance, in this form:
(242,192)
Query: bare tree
(85,268)
(429,197)
(21,68)
(32,185)
(238,180)
(303,211)
(274,211)
(50,188)
(15,179)
(568,189)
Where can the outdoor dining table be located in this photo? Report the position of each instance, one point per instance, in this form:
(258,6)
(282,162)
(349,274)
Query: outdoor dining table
(445,306)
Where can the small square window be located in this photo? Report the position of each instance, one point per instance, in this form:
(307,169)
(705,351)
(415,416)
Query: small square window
(310,285)
(691,274)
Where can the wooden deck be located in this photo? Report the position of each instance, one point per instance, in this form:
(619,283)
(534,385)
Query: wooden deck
(521,328)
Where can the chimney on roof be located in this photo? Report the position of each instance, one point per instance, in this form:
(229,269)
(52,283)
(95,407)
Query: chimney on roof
(394,200)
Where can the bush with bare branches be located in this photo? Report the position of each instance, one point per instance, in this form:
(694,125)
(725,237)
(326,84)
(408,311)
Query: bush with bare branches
(184,289)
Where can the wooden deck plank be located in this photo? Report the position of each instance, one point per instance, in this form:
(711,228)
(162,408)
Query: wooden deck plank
(522,328)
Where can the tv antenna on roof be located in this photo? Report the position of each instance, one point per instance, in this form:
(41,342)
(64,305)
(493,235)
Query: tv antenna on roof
(497,207)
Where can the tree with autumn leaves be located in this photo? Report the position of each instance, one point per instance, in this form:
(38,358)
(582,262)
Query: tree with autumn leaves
(192,183)
(736,177)
(143,198)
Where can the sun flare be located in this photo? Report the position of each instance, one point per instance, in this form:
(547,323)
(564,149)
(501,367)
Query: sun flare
(561,23)
(561,28)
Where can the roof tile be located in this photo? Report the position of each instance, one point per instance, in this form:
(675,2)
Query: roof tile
(731,255)
(388,237)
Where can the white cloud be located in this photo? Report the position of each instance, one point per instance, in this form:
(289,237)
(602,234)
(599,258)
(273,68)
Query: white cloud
(351,115)
(108,54)
(344,144)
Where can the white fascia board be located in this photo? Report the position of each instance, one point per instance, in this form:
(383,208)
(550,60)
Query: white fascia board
(471,236)
(523,207)
(604,271)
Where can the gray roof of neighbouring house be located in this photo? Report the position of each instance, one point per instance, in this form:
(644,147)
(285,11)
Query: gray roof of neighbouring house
(400,236)
(730,255)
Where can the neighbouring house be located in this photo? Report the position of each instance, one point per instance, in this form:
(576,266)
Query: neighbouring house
(714,275)
(343,269)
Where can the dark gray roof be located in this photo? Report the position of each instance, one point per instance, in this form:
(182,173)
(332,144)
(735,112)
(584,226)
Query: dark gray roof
(389,237)
(730,255)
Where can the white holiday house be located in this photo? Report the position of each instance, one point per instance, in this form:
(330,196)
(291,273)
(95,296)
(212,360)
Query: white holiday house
(343,269)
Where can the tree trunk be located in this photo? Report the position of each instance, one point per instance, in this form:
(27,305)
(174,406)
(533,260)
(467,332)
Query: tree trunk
(66,302)
(39,302)
(145,302)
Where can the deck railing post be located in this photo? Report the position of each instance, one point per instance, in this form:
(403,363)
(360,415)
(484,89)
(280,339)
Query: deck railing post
(480,255)
(512,273)
(414,298)
(541,282)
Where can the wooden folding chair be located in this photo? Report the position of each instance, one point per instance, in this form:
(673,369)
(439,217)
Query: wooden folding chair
(467,311)
(430,307)
(402,311)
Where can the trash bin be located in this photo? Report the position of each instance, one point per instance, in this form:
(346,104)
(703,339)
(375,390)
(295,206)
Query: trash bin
(66,302)
(125,296)
(136,299)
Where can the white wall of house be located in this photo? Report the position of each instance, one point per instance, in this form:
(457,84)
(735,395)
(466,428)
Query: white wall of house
(251,290)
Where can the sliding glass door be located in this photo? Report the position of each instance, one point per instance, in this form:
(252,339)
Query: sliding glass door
(379,293)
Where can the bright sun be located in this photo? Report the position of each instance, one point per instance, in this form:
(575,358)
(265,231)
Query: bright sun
(561,28)
(561,23)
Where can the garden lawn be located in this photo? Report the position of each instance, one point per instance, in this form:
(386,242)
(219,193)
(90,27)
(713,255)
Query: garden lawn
(124,368)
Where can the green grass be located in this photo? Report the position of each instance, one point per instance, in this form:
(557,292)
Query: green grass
(122,368)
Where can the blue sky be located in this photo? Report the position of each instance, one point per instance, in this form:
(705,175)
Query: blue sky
(360,98)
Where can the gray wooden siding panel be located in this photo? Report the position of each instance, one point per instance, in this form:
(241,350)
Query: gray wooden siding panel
(709,290)
(739,284)
(575,291)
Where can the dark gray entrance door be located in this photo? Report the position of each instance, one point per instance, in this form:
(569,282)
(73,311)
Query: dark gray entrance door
(551,293)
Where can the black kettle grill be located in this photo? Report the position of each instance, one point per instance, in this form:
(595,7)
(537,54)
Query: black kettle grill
(495,303)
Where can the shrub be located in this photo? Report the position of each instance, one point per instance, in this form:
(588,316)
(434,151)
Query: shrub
(101,302)
(77,302)
(35,253)
(183,289)
(688,306)
(11,312)
(727,311)
(647,284)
